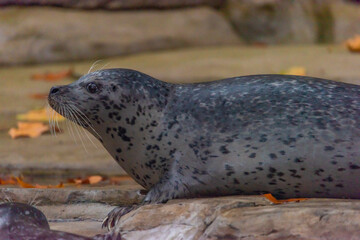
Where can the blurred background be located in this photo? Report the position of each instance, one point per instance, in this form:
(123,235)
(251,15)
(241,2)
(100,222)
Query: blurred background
(53,42)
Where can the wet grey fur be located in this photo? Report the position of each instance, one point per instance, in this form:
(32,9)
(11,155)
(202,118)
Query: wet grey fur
(19,221)
(291,136)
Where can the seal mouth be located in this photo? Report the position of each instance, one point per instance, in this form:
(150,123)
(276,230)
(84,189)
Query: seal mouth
(68,110)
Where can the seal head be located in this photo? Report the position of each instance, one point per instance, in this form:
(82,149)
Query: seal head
(119,107)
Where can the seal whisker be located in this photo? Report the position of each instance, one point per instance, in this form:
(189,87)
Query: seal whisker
(76,114)
(48,110)
(33,201)
(87,120)
(69,123)
(6,198)
(70,128)
(94,65)
(50,117)
(53,122)
(72,117)
(57,123)
(105,65)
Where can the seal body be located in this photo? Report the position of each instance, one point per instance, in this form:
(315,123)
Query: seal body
(23,222)
(291,136)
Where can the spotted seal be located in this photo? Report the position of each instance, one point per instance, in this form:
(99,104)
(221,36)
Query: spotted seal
(292,136)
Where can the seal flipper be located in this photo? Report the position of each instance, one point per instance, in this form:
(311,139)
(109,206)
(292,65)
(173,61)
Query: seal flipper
(114,215)
(165,190)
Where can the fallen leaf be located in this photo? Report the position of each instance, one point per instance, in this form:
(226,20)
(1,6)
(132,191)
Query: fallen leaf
(119,179)
(28,129)
(52,77)
(8,181)
(28,185)
(353,44)
(24,184)
(299,71)
(87,180)
(60,185)
(272,199)
(41,115)
(74,180)
(95,179)
(39,96)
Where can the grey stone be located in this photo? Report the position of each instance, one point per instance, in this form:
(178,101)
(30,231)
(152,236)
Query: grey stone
(273,21)
(346,20)
(114,4)
(242,217)
(119,196)
(42,35)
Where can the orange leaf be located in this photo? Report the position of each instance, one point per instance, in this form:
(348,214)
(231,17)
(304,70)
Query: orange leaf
(95,179)
(39,96)
(28,185)
(52,77)
(88,180)
(272,199)
(60,185)
(74,180)
(119,179)
(28,129)
(353,44)
(24,184)
(8,181)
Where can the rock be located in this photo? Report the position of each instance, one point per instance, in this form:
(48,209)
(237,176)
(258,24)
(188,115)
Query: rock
(42,35)
(114,4)
(346,20)
(118,196)
(273,21)
(241,217)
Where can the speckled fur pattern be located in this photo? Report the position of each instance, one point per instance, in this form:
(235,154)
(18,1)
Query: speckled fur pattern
(292,136)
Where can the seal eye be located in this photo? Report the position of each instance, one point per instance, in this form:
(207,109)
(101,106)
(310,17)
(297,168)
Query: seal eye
(92,88)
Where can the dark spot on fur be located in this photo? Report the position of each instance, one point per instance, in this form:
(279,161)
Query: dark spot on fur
(354,166)
(224,150)
(328,148)
(272,156)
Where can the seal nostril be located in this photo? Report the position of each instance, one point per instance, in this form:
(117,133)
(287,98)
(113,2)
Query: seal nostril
(54,90)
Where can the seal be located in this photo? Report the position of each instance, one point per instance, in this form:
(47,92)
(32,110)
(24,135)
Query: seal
(291,136)
(21,221)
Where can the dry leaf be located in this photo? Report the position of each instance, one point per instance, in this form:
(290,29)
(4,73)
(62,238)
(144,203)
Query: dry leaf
(119,179)
(74,180)
(60,185)
(24,184)
(88,180)
(353,44)
(95,179)
(272,199)
(28,129)
(299,71)
(52,77)
(39,115)
(28,185)
(8,181)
